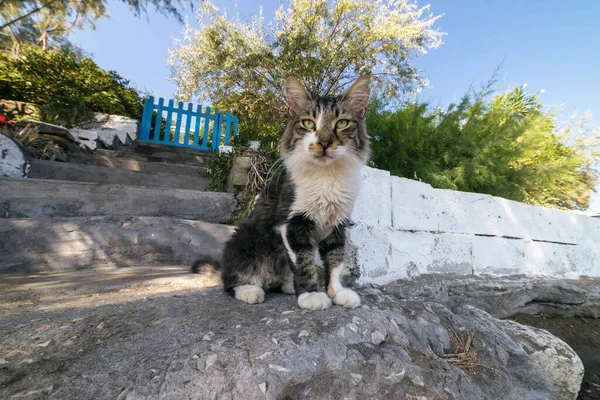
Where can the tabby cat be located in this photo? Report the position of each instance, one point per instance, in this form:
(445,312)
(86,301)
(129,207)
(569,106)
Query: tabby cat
(302,213)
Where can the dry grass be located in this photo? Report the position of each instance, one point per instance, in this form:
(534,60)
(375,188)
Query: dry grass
(460,353)
(40,145)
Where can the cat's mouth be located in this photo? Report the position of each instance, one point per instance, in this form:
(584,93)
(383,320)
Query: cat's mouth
(323,156)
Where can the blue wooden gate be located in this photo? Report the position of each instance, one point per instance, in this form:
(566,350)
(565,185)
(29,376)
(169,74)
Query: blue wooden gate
(202,130)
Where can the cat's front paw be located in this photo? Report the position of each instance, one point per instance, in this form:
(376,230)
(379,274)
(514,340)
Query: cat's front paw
(347,298)
(314,301)
(250,294)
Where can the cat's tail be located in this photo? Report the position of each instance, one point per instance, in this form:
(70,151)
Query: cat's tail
(206,266)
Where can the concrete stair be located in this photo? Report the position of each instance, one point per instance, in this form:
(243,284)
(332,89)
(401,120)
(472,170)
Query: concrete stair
(146,205)
(42,169)
(134,162)
(40,198)
(38,244)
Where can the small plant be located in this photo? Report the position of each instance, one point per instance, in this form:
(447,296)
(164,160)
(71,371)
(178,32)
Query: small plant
(219,165)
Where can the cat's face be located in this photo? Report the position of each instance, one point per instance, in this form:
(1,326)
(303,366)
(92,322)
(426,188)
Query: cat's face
(326,130)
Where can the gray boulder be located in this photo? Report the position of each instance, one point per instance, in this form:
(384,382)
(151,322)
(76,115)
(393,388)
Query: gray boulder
(136,343)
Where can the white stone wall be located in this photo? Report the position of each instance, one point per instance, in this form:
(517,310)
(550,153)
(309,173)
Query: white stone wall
(405,228)
(106,128)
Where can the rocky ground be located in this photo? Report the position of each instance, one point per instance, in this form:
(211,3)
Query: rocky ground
(135,333)
(582,335)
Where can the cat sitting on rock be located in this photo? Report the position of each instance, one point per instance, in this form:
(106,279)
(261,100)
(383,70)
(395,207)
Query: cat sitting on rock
(303,212)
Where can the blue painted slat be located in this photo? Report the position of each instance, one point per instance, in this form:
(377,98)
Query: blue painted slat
(167,137)
(206,127)
(227,127)
(188,122)
(158,121)
(216,136)
(178,123)
(146,118)
(197,127)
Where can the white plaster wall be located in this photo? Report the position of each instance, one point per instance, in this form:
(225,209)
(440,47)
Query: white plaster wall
(405,228)
(12,161)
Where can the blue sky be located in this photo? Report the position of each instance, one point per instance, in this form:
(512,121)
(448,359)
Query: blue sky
(549,44)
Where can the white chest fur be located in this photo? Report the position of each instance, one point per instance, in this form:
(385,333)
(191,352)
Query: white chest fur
(326,193)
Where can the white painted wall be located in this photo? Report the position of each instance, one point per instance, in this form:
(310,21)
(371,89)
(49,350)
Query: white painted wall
(405,228)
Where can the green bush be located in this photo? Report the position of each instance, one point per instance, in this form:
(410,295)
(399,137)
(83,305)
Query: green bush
(67,86)
(504,145)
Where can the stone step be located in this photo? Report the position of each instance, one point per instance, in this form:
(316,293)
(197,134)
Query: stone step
(28,245)
(158,157)
(43,169)
(154,152)
(133,162)
(41,198)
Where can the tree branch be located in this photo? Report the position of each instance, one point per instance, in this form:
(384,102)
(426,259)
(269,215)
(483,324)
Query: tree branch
(35,10)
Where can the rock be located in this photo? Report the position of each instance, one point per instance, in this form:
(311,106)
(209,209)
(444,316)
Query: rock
(12,159)
(552,355)
(507,296)
(84,134)
(43,127)
(18,109)
(238,175)
(210,360)
(164,333)
(377,337)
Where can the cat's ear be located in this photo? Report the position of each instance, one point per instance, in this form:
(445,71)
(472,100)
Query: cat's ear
(297,97)
(357,97)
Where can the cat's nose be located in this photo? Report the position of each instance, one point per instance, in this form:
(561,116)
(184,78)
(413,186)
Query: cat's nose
(325,145)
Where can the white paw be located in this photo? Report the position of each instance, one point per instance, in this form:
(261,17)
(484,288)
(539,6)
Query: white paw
(347,298)
(314,301)
(251,294)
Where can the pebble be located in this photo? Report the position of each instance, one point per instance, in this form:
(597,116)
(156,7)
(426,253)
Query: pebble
(377,337)
(417,381)
(278,368)
(303,333)
(287,312)
(342,332)
(264,355)
(356,320)
(123,394)
(210,360)
(396,377)
(352,327)
(356,379)
(263,387)
(285,320)
(208,337)
(3,361)
(45,344)
(274,340)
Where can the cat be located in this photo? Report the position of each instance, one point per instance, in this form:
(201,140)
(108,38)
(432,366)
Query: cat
(306,206)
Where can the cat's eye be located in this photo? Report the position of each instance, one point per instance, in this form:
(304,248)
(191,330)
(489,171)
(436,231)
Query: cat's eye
(341,124)
(308,124)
